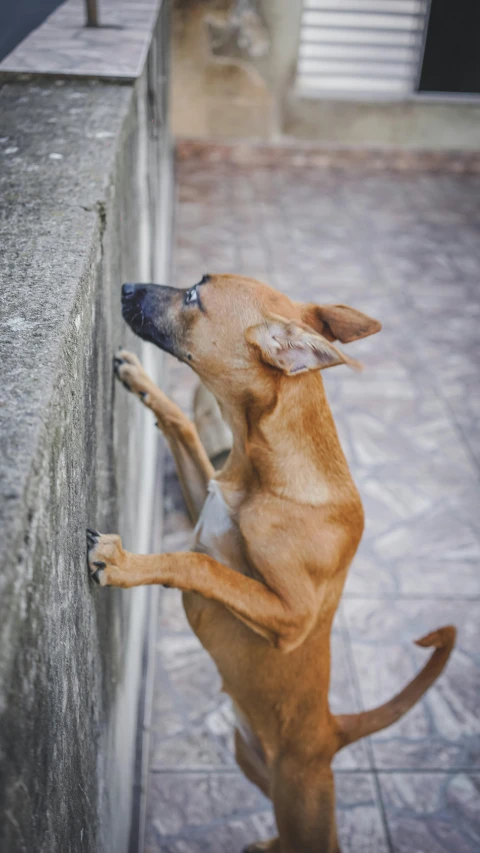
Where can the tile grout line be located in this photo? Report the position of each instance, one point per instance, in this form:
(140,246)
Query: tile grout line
(401,295)
(368,743)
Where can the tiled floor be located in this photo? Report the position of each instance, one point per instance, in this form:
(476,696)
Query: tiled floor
(407,250)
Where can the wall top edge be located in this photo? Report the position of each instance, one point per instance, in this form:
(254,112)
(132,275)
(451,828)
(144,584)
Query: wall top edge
(64,47)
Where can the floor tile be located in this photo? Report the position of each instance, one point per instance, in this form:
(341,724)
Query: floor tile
(410,576)
(344,698)
(434,812)
(172,618)
(194,747)
(359,820)
(218,812)
(442,731)
(405,249)
(204,813)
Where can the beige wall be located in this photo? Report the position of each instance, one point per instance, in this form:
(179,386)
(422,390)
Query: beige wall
(221,94)
(224,97)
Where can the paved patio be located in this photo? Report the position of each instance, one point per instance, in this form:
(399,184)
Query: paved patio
(406,249)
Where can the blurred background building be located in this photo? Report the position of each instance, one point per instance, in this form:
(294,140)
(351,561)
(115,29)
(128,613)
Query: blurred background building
(341,72)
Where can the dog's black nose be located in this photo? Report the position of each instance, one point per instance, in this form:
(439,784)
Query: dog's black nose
(128,290)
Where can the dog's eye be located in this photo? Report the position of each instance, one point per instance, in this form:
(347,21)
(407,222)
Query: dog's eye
(191,295)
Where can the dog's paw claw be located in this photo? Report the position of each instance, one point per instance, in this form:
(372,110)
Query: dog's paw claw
(129,371)
(96,575)
(105,557)
(118,362)
(125,357)
(92,537)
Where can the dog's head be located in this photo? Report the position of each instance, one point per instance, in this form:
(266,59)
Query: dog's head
(234,330)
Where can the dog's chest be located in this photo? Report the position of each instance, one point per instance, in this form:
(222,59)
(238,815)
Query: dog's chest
(217,533)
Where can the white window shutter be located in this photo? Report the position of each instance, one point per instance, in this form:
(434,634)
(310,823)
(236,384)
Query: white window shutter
(361,47)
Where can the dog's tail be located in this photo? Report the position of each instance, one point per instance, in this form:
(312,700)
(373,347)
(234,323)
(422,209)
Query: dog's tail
(352,727)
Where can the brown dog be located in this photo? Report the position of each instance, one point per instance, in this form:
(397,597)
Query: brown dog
(277,530)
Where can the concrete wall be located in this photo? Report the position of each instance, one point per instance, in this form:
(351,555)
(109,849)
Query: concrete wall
(84,186)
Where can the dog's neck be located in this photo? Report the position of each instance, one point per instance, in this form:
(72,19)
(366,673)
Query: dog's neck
(288,441)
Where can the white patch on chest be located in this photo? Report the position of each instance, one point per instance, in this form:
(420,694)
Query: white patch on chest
(217,534)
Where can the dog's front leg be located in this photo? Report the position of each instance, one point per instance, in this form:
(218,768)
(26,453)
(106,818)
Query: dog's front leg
(250,600)
(193,465)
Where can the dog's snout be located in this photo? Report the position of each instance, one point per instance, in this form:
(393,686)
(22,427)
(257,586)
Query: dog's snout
(146,308)
(131,290)
(133,299)
(128,290)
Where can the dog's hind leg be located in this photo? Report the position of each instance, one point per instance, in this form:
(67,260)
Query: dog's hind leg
(252,765)
(303,796)
(193,465)
(256,772)
(214,433)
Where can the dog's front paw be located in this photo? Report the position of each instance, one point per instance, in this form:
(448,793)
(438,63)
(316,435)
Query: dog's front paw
(106,558)
(129,370)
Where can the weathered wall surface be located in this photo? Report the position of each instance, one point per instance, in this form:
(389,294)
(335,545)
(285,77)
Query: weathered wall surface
(83,170)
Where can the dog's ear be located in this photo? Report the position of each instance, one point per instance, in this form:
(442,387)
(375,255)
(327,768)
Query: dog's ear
(294,348)
(340,322)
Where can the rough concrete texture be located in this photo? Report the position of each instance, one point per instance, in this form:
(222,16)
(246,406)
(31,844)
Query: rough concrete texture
(79,172)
